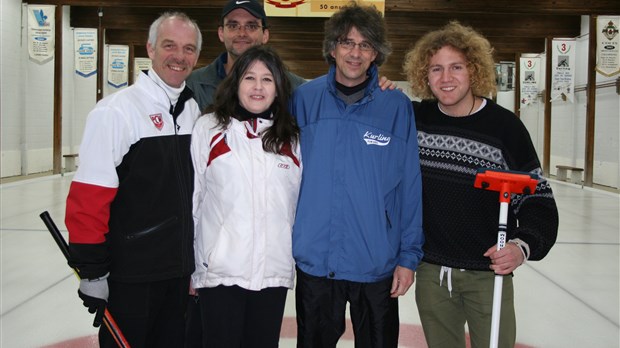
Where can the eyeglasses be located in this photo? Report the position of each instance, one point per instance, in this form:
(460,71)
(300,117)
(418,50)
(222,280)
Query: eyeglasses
(250,27)
(350,45)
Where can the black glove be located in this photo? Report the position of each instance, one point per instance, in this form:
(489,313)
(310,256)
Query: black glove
(94,293)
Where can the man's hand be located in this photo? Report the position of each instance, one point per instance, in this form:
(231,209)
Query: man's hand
(402,281)
(506,260)
(384,83)
(94,293)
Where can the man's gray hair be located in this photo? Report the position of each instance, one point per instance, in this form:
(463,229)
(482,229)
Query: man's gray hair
(154,29)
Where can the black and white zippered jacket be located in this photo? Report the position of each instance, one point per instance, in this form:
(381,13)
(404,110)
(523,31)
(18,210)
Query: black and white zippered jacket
(129,206)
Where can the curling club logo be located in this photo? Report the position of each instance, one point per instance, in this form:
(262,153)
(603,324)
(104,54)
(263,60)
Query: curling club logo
(158,121)
(610,31)
(41,18)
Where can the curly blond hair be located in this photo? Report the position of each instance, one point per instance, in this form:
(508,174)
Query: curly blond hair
(476,48)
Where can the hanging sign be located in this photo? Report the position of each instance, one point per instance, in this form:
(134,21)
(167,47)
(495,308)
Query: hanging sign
(85,43)
(118,59)
(529,77)
(140,65)
(41,25)
(312,8)
(607,45)
(563,69)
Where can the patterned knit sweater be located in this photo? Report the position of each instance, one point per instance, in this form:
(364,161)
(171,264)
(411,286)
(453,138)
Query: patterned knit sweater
(461,221)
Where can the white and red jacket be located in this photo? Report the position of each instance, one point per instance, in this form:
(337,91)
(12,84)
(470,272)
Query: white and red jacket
(244,206)
(129,205)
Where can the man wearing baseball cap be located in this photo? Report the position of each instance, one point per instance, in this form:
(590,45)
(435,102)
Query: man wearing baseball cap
(253,7)
(243,25)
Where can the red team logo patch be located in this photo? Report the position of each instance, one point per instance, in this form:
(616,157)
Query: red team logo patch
(158,121)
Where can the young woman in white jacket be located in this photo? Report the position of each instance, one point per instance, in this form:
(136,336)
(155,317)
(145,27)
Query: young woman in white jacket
(247,176)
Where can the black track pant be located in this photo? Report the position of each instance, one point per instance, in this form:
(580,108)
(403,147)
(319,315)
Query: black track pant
(149,314)
(233,317)
(321,305)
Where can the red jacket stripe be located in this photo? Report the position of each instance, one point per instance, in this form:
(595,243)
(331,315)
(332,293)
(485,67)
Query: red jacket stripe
(88,212)
(219,148)
(286,150)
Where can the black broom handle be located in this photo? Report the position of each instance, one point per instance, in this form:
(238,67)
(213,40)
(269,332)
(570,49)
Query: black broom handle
(62,244)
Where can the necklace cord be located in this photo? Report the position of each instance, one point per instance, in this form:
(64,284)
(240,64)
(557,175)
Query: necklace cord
(472,106)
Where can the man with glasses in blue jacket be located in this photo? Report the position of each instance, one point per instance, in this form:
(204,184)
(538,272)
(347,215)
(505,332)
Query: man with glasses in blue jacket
(357,236)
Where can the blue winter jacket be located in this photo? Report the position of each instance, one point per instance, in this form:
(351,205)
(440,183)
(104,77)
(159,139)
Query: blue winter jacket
(360,206)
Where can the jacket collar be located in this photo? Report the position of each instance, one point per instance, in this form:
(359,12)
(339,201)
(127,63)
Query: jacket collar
(219,65)
(372,76)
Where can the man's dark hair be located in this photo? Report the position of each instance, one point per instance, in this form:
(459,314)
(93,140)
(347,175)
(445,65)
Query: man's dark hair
(367,20)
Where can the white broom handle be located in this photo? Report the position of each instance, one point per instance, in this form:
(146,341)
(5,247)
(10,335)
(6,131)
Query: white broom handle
(499,279)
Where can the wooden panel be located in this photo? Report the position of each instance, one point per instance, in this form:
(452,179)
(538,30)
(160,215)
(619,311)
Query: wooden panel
(483,7)
(508,25)
(135,17)
(487,8)
(511,27)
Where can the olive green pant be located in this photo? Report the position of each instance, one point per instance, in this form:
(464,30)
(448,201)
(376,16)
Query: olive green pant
(444,314)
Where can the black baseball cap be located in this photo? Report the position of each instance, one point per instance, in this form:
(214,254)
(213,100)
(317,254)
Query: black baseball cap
(252,6)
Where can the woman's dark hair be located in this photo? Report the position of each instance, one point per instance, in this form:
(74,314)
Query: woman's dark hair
(284,129)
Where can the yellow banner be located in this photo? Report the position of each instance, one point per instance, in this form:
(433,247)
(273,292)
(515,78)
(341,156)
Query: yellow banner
(312,8)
